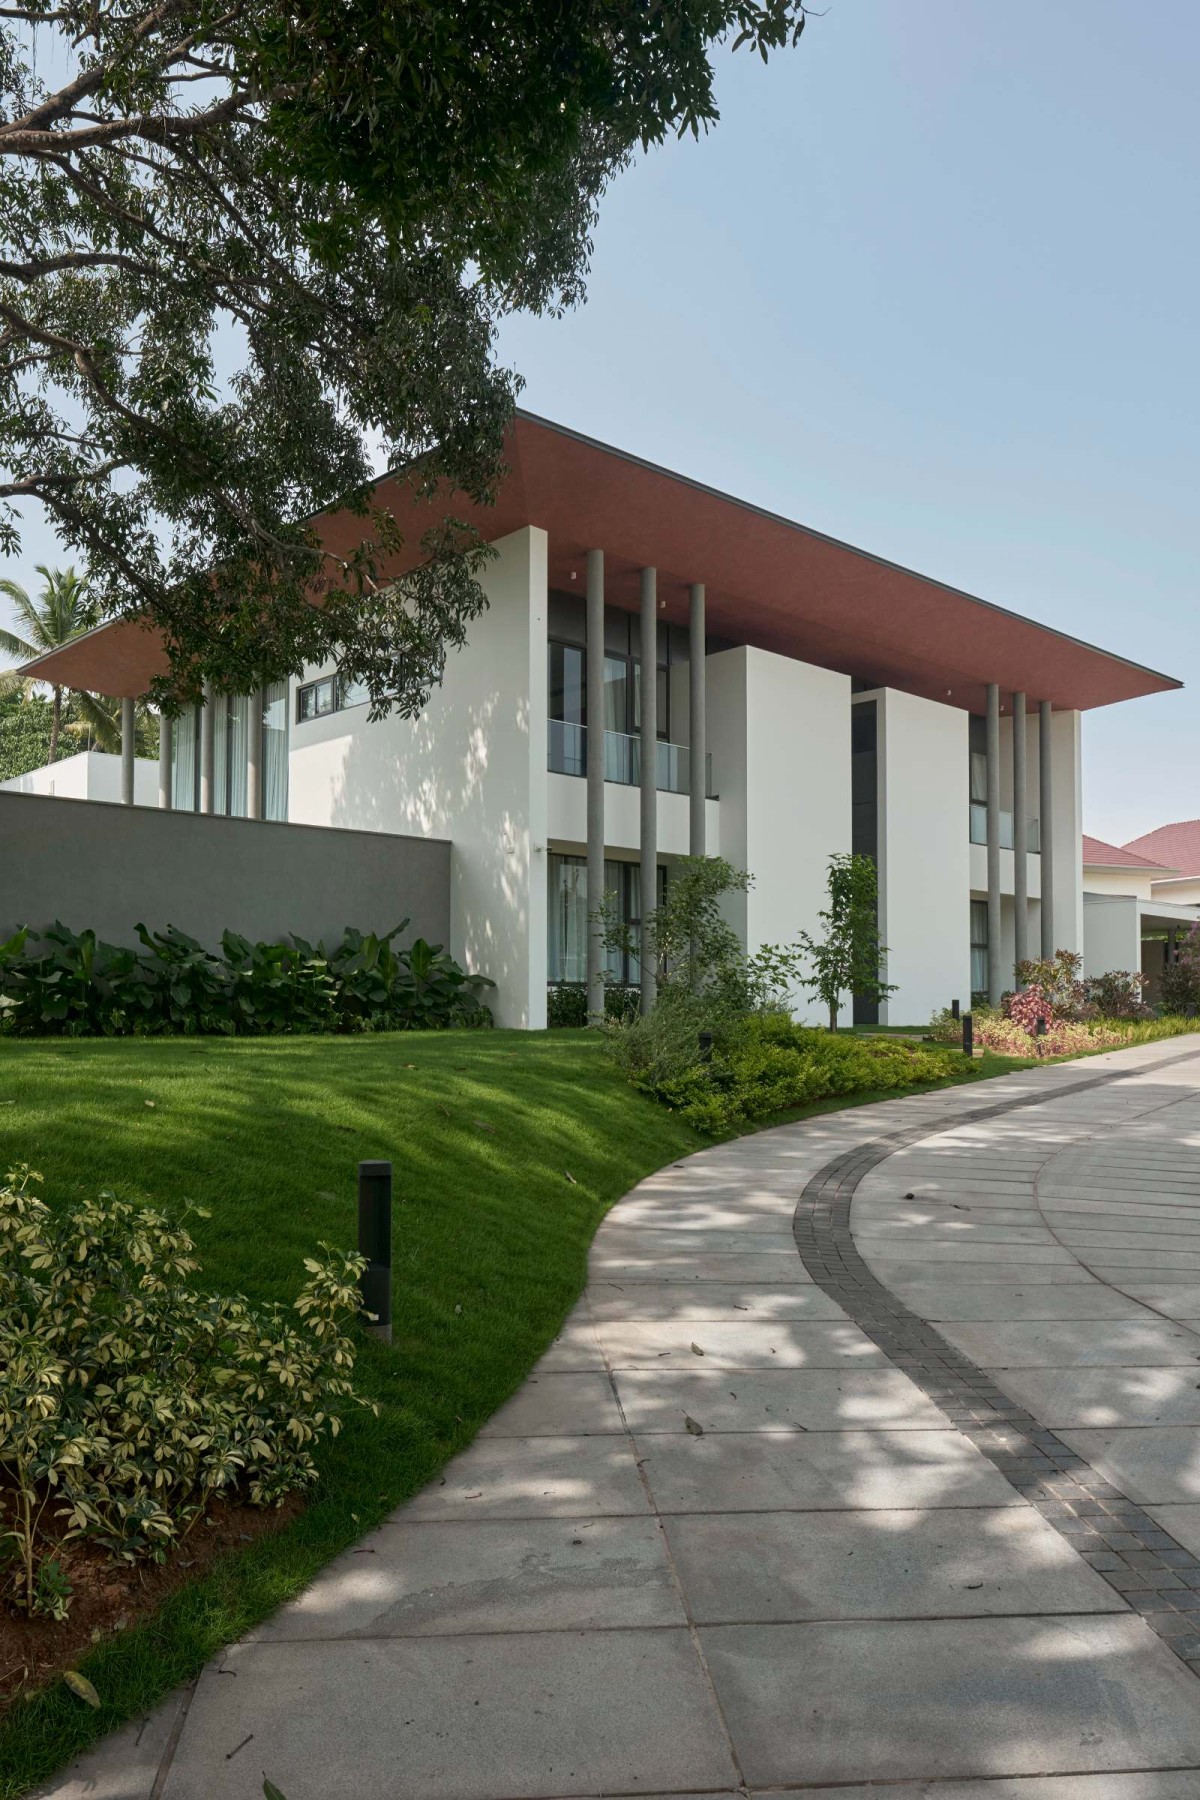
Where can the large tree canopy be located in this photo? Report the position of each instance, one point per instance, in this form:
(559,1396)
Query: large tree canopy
(245,246)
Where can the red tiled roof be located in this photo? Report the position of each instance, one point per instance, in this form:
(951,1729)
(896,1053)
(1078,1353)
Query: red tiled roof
(1177,846)
(1111,856)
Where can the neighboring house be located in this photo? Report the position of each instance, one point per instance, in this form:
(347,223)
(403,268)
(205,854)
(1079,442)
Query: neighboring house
(89,775)
(1139,898)
(809,698)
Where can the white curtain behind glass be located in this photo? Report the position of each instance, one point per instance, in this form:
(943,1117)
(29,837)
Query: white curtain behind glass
(275,750)
(184,762)
(236,740)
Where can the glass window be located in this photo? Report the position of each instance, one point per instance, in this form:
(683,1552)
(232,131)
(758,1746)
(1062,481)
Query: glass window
(318,698)
(617,701)
(663,690)
(275,750)
(352,693)
(979,947)
(568,691)
(568,917)
(237,737)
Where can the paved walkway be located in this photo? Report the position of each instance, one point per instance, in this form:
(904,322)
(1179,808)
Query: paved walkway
(872,1455)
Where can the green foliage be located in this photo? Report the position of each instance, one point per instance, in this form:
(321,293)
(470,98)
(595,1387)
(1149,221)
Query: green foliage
(25,725)
(1181,978)
(849,958)
(74,985)
(705,978)
(566,1004)
(129,1402)
(766,1064)
(245,255)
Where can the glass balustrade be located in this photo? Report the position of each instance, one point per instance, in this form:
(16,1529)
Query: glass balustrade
(1033,840)
(567,755)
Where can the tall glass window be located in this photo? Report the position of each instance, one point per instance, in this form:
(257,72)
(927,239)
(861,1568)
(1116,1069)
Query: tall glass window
(979,947)
(185,761)
(275,750)
(568,917)
(238,708)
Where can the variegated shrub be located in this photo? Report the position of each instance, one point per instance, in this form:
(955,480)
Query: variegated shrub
(130,1400)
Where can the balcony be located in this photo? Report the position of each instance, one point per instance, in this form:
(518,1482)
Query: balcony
(979,829)
(567,755)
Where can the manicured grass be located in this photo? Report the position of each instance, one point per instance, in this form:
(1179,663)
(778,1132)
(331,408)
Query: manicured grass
(485,1131)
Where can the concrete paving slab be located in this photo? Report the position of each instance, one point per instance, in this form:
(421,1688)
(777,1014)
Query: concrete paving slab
(555,1405)
(125,1765)
(1086,1298)
(949,1563)
(1044,1253)
(897,1272)
(1150,1464)
(951,1698)
(780,1471)
(618,1240)
(410,1580)
(1130,1396)
(1171,1784)
(1178,1299)
(575,1350)
(805,1399)
(958,1229)
(1056,1344)
(647,1300)
(536,1477)
(533,1714)
(660,1266)
(740,1344)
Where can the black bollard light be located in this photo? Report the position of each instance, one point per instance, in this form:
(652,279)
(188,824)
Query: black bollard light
(375,1243)
(706,1043)
(1040,1027)
(955,1009)
(968,1034)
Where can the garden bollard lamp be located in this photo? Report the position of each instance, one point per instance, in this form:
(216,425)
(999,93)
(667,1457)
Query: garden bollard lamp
(968,1034)
(706,1043)
(955,1009)
(375,1243)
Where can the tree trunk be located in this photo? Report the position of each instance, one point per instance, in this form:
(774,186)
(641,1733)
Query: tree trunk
(55,723)
(833,1015)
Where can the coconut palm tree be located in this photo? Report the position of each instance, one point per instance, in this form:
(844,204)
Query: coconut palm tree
(62,611)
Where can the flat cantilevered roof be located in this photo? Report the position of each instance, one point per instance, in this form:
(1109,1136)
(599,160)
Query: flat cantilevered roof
(770,582)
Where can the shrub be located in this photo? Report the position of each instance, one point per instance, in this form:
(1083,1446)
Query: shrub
(1119,995)
(1181,978)
(566,1004)
(1029,1009)
(1059,979)
(129,1402)
(73,985)
(766,1064)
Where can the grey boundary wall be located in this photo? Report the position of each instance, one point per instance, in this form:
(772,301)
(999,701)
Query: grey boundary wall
(92,864)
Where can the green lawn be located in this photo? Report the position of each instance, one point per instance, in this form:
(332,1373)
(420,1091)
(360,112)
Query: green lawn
(485,1131)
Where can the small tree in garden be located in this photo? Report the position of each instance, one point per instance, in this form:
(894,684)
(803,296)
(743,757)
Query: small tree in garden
(849,958)
(1181,978)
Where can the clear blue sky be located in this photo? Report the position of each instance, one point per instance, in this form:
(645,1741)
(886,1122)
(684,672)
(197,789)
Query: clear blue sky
(931,286)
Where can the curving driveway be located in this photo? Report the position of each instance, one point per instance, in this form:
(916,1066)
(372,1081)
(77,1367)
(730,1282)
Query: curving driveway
(871,1455)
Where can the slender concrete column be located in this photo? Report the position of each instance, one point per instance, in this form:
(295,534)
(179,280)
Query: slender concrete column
(995,983)
(254,741)
(128,749)
(164,762)
(595,781)
(649,753)
(697,752)
(1046,825)
(1020,836)
(207,752)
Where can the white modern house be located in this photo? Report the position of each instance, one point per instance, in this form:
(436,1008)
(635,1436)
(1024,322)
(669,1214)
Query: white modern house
(88,775)
(1137,906)
(808,698)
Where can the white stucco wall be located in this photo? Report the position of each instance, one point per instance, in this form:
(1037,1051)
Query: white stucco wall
(472,769)
(779,733)
(89,775)
(1117,881)
(1183,891)
(566,818)
(924,854)
(1112,933)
